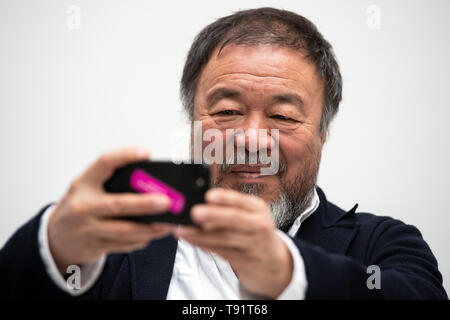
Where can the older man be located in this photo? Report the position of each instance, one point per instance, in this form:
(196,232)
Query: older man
(272,236)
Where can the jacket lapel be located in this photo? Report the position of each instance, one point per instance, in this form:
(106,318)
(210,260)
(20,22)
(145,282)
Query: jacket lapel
(329,227)
(151,269)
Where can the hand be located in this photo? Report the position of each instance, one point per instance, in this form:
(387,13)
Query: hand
(80,228)
(240,228)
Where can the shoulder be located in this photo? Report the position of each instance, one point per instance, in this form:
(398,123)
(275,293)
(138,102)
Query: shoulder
(373,227)
(360,218)
(384,236)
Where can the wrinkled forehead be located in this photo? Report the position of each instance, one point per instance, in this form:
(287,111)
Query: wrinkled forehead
(260,60)
(260,69)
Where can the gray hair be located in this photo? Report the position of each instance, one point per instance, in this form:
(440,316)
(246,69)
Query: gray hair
(267,26)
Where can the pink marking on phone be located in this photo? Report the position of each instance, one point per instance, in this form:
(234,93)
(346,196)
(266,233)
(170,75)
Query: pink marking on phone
(143,182)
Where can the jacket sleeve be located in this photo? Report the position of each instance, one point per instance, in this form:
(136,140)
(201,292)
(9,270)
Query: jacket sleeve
(23,274)
(408,269)
(22,271)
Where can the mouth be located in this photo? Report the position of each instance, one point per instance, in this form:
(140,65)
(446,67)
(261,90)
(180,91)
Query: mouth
(247,172)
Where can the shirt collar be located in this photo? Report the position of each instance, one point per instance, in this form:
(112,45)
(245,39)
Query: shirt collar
(313,205)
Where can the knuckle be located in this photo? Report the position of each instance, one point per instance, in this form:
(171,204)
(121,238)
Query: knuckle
(142,203)
(76,206)
(74,186)
(208,226)
(114,205)
(153,229)
(124,231)
(82,204)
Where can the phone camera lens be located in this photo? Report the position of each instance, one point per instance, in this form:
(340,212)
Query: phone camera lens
(200,182)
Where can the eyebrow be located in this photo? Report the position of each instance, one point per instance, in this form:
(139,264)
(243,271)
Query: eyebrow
(221,93)
(288,98)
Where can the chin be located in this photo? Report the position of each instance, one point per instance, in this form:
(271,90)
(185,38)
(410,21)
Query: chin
(267,188)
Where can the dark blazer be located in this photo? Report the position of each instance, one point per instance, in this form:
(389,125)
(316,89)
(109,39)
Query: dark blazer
(336,246)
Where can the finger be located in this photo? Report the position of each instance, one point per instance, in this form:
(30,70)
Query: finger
(212,217)
(125,246)
(126,232)
(127,204)
(234,198)
(217,238)
(99,171)
(111,247)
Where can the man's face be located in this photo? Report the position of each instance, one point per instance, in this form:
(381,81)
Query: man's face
(264,87)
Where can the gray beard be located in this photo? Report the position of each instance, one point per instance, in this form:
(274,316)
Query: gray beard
(294,197)
(286,208)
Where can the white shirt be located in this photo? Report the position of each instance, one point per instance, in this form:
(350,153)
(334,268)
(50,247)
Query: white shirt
(197,274)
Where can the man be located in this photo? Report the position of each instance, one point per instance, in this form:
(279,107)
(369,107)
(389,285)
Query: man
(262,236)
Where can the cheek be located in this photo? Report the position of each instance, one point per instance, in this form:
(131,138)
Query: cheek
(213,142)
(299,150)
(209,124)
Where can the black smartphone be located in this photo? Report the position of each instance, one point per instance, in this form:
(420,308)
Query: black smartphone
(184,184)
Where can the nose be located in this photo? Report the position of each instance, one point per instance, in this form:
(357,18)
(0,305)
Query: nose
(255,135)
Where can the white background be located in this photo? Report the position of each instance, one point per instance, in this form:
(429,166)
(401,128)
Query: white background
(68,95)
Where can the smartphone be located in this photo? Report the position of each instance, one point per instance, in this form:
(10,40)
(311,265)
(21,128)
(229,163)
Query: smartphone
(184,184)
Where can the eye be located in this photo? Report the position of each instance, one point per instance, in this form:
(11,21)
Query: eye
(228,112)
(281,117)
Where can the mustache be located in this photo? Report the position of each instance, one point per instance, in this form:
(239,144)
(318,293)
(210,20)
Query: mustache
(225,167)
(249,158)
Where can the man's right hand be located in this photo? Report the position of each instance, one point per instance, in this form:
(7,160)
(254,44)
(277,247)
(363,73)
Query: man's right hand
(80,228)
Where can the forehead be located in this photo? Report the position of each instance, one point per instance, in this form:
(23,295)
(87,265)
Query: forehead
(261,67)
